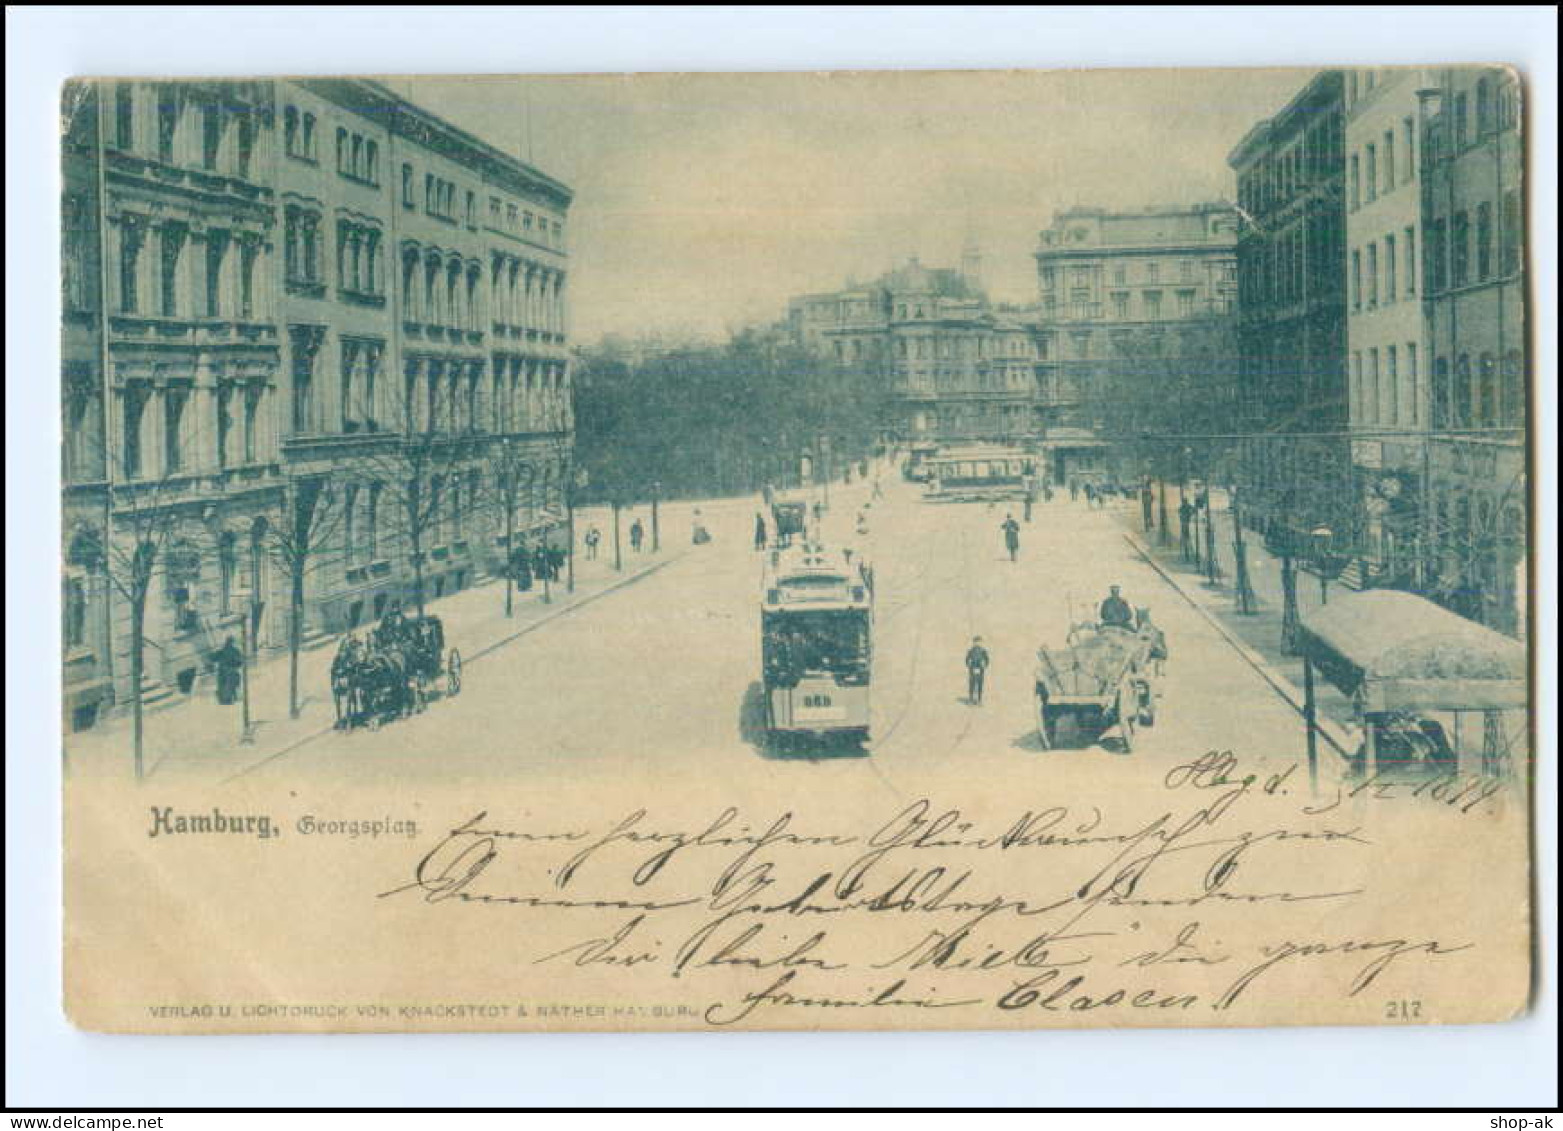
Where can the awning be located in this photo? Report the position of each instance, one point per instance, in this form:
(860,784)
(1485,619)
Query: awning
(1401,652)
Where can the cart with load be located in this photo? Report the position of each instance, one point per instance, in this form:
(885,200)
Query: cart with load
(1100,681)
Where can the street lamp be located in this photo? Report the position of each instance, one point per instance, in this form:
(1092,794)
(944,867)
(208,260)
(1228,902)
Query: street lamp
(577,479)
(507,492)
(656,527)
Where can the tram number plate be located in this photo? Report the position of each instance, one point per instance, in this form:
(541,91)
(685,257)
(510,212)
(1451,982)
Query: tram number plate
(818,705)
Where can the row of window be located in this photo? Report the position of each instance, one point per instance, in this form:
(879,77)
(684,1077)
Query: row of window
(235,426)
(508,217)
(1386,389)
(227,137)
(1497,109)
(1188,272)
(357,157)
(437,395)
(1390,396)
(228,275)
(1488,395)
(1461,251)
(1380,167)
(1376,277)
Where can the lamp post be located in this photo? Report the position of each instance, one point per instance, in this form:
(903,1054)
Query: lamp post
(578,478)
(618,555)
(507,489)
(656,526)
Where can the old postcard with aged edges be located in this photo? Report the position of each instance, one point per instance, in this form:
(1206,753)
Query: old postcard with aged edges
(796,551)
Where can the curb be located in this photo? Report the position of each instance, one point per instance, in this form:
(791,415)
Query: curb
(562,611)
(1333,733)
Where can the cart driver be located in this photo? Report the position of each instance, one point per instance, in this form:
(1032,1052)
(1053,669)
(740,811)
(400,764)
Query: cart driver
(1115,611)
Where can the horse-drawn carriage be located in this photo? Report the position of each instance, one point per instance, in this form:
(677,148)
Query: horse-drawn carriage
(393,672)
(1101,680)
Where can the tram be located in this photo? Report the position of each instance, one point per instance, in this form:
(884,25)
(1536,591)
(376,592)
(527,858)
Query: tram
(816,625)
(979,475)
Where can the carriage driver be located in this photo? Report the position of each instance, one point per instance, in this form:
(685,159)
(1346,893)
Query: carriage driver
(392,626)
(1115,611)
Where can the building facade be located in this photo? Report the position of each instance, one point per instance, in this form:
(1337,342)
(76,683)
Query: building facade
(1387,403)
(1293,395)
(1478,393)
(955,369)
(1119,292)
(308,326)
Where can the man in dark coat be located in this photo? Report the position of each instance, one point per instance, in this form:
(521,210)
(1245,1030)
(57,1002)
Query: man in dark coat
(759,532)
(977,661)
(229,662)
(1011,530)
(1115,611)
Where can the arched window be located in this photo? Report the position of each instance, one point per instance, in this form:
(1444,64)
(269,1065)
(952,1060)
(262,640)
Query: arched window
(410,284)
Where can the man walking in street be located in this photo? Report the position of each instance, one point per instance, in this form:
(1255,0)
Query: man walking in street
(1011,530)
(593,536)
(977,661)
(637,533)
(759,531)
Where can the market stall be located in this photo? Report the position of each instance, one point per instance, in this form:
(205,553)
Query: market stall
(1404,660)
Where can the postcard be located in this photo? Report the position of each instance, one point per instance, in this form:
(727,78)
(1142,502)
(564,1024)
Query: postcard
(807,551)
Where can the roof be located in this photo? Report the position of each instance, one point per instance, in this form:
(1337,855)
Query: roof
(1404,651)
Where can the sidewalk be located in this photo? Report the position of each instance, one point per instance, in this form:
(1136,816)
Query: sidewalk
(1256,635)
(197,738)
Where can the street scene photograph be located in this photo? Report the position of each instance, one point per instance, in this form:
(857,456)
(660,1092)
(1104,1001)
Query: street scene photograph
(817,550)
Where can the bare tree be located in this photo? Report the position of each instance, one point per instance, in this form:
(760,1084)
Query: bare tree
(303,540)
(420,464)
(143,530)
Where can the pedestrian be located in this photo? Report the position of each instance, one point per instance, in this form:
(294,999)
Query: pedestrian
(523,568)
(1028,506)
(1074,490)
(637,533)
(1011,530)
(1185,520)
(228,662)
(977,661)
(1115,611)
(593,537)
(1158,651)
(759,531)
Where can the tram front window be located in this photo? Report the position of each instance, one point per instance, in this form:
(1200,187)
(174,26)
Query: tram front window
(834,643)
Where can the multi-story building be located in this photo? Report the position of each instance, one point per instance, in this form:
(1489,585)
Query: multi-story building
(955,369)
(1118,288)
(302,319)
(1387,404)
(1293,394)
(1474,292)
